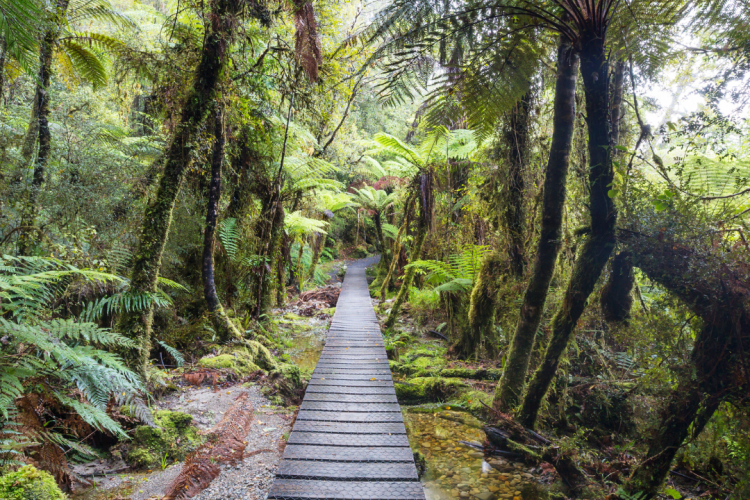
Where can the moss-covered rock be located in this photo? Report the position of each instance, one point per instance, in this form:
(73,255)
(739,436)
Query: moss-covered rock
(29,483)
(421,389)
(359,252)
(174,437)
(242,359)
(476,402)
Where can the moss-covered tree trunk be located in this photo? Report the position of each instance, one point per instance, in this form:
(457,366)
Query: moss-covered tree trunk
(598,246)
(408,277)
(716,289)
(616,297)
(396,251)
(225,329)
(158,216)
(40,124)
(510,388)
(318,241)
(516,138)
(482,306)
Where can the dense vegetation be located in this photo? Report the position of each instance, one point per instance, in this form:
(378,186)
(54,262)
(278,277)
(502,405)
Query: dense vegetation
(173,173)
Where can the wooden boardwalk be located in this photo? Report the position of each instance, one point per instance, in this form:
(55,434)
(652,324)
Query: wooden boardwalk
(349,439)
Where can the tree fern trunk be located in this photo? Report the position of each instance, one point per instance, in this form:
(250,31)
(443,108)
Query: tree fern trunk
(225,329)
(41,101)
(601,240)
(396,251)
(317,246)
(482,305)
(176,159)
(510,388)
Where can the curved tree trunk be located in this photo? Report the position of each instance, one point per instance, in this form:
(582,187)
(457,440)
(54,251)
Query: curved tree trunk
(508,392)
(716,290)
(599,244)
(39,123)
(176,159)
(482,306)
(225,329)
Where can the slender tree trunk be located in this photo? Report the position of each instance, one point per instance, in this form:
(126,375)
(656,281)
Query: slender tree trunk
(317,246)
(408,277)
(3,51)
(616,298)
(158,216)
(516,138)
(599,244)
(385,256)
(510,388)
(41,101)
(396,251)
(225,329)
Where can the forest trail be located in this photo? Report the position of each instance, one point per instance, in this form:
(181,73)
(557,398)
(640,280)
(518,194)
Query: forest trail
(349,439)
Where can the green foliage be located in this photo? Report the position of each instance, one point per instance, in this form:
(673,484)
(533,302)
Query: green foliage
(28,483)
(64,354)
(458,274)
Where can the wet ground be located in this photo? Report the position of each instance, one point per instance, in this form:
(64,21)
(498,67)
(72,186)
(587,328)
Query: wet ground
(455,470)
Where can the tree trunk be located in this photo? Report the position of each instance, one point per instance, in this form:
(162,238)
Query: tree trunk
(615,299)
(396,251)
(510,388)
(158,216)
(516,138)
(599,244)
(41,102)
(3,51)
(319,240)
(482,305)
(408,277)
(225,329)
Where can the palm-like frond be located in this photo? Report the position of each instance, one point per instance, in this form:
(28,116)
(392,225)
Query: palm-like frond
(82,62)
(456,275)
(19,27)
(296,224)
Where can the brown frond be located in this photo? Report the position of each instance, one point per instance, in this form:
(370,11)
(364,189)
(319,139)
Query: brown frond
(197,377)
(44,454)
(307,44)
(225,444)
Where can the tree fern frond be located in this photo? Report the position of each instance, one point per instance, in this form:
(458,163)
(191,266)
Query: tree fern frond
(229,235)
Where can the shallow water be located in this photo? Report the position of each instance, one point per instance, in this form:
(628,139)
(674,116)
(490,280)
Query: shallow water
(455,471)
(306,351)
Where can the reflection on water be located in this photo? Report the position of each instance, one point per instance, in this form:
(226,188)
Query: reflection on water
(307,348)
(455,471)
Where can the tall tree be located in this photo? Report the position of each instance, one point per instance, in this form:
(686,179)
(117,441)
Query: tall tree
(510,388)
(224,327)
(40,118)
(220,31)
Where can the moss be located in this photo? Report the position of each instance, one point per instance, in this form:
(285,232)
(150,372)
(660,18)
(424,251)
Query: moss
(476,402)
(175,436)
(427,362)
(420,389)
(29,483)
(242,359)
(359,252)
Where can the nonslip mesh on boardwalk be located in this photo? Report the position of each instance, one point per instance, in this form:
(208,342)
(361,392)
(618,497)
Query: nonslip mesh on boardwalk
(349,441)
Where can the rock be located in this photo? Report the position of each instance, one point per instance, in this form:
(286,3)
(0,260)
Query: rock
(486,495)
(476,454)
(463,486)
(464,494)
(493,488)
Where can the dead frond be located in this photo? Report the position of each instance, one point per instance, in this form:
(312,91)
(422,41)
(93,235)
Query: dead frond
(307,44)
(198,377)
(225,444)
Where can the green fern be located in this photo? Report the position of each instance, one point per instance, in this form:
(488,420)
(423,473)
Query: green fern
(229,235)
(455,276)
(64,354)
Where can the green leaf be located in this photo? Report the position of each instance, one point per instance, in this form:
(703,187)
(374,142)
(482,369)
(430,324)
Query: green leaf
(673,493)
